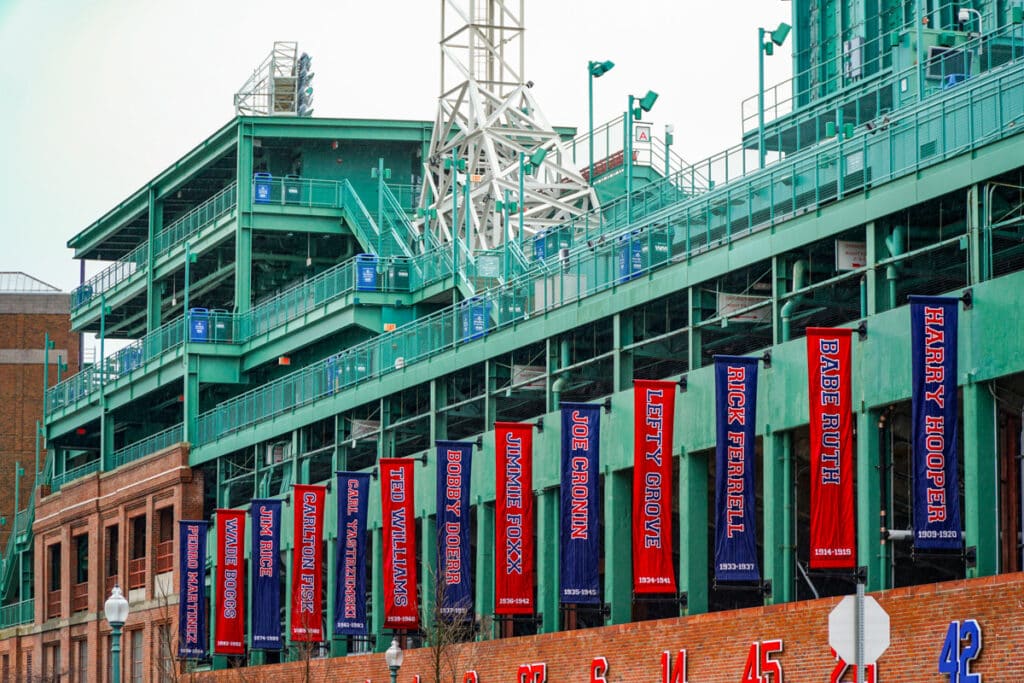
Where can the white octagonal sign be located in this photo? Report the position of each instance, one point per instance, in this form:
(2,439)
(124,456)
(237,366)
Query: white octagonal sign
(842,635)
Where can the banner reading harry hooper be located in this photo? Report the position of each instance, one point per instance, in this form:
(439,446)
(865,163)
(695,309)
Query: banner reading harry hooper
(307,584)
(513,556)
(266,576)
(229,625)
(454,568)
(933,399)
(401,600)
(580,580)
(735,530)
(833,529)
(192,589)
(350,584)
(653,412)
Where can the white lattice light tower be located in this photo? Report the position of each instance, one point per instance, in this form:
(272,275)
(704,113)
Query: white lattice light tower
(487,116)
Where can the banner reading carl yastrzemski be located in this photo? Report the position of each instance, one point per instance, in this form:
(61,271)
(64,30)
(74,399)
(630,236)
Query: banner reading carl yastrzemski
(192,591)
(266,576)
(350,592)
(580,578)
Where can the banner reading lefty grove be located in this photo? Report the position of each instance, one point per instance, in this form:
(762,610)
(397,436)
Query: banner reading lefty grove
(192,589)
(513,556)
(401,599)
(735,529)
(833,525)
(266,574)
(307,562)
(229,625)
(933,399)
(579,558)
(350,584)
(653,411)
(454,558)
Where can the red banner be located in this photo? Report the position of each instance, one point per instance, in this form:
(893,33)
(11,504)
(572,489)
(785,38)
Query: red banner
(401,602)
(229,624)
(307,562)
(653,411)
(833,528)
(513,557)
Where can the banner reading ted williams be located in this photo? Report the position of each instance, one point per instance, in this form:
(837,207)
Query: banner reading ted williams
(653,411)
(579,558)
(192,589)
(833,525)
(266,574)
(735,529)
(229,624)
(933,340)
(307,561)
(401,600)
(513,557)
(350,591)
(454,567)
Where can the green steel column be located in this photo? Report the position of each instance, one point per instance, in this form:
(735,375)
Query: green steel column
(981,477)
(978,236)
(243,230)
(871,246)
(153,293)
(695,344)
(377,588)
(618,574)
(191,396)
(428,570)
(338,644)
(484,570)
(622,331)
(106,437)
(778,536)
(870,552)
(693,532)
(547,559)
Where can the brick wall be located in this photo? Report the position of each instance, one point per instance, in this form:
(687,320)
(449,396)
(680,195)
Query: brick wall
(718,644)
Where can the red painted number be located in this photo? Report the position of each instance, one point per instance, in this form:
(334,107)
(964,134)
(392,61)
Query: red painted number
(761,667)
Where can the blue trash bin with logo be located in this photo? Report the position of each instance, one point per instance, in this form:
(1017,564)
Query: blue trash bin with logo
(474,318)
(540,246)
(199,324)
(261,187)
(629,257)
(366,272)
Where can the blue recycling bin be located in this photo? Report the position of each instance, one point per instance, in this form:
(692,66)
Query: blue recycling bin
(199,324)
(261,187)
(540,246)
(629,257)
(474,318)
(366,272)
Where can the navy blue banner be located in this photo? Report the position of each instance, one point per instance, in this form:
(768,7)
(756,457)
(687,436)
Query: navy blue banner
(735,415)
(192,637)
(454,571)
(580,552)
(265,633)
(933,343)
(350,585)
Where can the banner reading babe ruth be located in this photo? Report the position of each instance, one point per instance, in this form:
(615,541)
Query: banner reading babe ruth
(514,551)
(833,524)
(401,598)
(307,562)
(229,598)
(653,411)
(579,565)
(735,528)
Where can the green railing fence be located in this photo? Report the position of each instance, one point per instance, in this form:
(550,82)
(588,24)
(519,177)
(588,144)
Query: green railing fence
(151,444)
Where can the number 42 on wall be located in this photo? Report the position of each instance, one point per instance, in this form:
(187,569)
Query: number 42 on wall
(961,647)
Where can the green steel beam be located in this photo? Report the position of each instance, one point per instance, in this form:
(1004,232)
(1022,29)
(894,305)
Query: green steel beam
(871,552)
(547,504)
(153,294)
(618,537)
(779,545)
(981,478)
(693,530)
(243,231)
(485,567)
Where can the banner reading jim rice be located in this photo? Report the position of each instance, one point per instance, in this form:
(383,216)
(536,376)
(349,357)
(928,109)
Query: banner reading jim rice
(401,599)
(266,574)
(580,578)
(933,398)
(514,553)
(229,624)
(454,559)
(735,528)
(307,561)
(192,637)
(350,583)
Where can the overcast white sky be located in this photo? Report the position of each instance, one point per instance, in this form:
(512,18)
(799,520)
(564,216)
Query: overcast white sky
(101,95)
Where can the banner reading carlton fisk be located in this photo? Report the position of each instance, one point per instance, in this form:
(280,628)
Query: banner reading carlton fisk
(191,589)
(401,600)
(307,562)
(735,529)
(833,530)
(266,574)
(580,582)
(933,340)
(454,566)
(513,557)
(229,624)
(653,409)
(350,584)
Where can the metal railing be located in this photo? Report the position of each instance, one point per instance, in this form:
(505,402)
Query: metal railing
(151,444)
(17,613)
(62,478)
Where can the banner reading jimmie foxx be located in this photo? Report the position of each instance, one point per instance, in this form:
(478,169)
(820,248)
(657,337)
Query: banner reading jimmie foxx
(514,552)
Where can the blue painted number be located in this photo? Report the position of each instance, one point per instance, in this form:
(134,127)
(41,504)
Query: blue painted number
(954,659)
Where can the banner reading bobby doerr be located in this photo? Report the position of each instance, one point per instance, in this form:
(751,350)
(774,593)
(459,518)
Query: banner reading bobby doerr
(653,412)
(933,340)
(266,574)
(833,523)
(307,561)
(192,593)
(454,571)
(401,600)
(229,624)
(350,592)
(735,530)
(580,580)
(513,556)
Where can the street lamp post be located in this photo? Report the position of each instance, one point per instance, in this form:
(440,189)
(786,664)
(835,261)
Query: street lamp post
(778,37)
(594,70)
(393,657)
(527,166)
(116,611)
(644,104)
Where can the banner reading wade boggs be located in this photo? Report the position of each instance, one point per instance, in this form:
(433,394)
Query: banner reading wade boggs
(514,552)
(580,580)
(454,559)
(933,400)
(350,583)
(653,413)
(401,599)
(192,637)
(307,561)
(266,574)
(229,625)
(735,529)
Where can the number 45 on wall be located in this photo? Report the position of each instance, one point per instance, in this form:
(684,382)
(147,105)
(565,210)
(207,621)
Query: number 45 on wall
(956,655)
(760,667)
